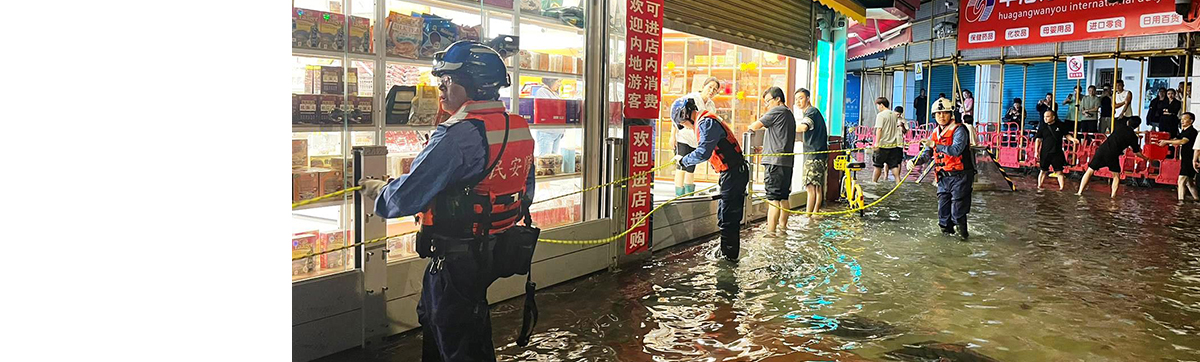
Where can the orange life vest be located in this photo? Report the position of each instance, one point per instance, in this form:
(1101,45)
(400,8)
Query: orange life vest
(943,162)
(728,151)
(498,201)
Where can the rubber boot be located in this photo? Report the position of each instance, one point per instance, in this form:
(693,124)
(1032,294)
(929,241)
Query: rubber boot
(687,189)
(730,244)
(679,191)
(962,229)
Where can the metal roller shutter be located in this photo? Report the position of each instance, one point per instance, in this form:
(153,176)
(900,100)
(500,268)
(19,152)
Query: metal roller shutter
(1041,76)
(943,82)
(1012,85)
(966,77)
(777,26)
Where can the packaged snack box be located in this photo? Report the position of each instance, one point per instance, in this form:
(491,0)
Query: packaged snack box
(556,63)
(330,111)
(299,153)
(331,181)
(360,35)
(295,109)
(531,6)
(549,111)
(525,107)
(404,35)
(526,58)
(332,31)
(331,80)
(307,107)
(424,106)
(312,79)
(574,111)
(438,34)
(364,106)
(304,28)
(305,185)
(352,82)
(469,32)
(549,165)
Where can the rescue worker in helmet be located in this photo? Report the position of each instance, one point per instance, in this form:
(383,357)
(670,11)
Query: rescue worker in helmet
(954,167)
(475,159)
(720,147)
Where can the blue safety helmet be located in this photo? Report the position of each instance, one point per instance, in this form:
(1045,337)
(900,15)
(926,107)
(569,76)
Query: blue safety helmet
(680,109)
(476,61)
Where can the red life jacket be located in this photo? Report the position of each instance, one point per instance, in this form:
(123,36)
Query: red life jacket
(498,201)
(943,162)
(728,151)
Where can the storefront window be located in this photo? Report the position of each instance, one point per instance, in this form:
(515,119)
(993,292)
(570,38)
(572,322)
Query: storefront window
(743,73)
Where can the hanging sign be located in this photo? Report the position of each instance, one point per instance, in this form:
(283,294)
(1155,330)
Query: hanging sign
(641,141)
(643,51)
(920,72)
(1075,67)
(995,23)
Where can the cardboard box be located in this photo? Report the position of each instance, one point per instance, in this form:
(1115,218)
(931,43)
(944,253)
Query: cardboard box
(360,35)
(303,244)
(326,162)
(331,181)
(329,241)
(304,28)
(306,184)
(550,164)
(332,31)
(330,109)
(568,65)
(549,111)
(365,107)
(525,107)
(541,62)
(578,65)
(308,108)
(352,82)
(331,80)
(574,111)
(299,153)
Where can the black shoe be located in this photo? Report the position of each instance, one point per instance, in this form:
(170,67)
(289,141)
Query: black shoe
(962,229)
(949,229)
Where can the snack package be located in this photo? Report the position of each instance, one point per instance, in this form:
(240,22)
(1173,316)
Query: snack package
(549,165)
(568,64)
(330,241)
(307,107)
(578,161)
(331,29)
(406,164)
(303,244)
(531,6)
(360,35)
(574,111)
(556,63)
(504,4)
(404,35)
(398,106)
(469,32)
(331,181)
(352,81)
(525,108)
(330,109)
(424,106)
(299,153)
(526,59)
(331,80)
(364,106)
(306,184)
(312,79)
(549,111)
(438,34)
(304,28)
(541,62)
(295,109)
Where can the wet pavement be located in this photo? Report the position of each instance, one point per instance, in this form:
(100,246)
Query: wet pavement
(1046,276)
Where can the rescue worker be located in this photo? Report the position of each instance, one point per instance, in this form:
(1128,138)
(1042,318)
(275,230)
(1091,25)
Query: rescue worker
(954,167)
(471,185)
(719,145)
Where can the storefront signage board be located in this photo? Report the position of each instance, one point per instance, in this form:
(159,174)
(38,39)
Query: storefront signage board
(641,159)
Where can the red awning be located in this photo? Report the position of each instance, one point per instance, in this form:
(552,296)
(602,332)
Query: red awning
(875,36)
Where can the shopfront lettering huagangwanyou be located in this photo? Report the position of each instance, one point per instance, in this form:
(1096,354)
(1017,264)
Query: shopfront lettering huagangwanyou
(1064,20)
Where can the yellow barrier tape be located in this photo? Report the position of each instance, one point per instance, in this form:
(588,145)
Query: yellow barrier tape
(325,197)
(856,209)
(631,228)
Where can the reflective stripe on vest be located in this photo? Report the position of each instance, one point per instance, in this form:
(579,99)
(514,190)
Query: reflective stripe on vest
(505,186)
(943,162)
(718,161)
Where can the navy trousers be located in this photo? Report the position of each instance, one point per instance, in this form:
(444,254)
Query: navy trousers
(453,310)
(730,208)
(954,199)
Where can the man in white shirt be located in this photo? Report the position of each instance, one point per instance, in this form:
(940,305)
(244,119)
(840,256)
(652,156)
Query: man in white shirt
(889,139)
(1121,100)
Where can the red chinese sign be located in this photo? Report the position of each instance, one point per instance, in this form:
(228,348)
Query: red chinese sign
(641,144)
(995,23)
(643,51)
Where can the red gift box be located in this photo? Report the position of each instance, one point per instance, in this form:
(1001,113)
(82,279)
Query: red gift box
(549,111)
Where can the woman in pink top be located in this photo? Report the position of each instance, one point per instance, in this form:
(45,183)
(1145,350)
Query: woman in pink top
(968,104)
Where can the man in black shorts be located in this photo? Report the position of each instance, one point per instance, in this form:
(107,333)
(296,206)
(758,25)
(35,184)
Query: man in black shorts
(1109,153)
(1187,167)
(889,141)
(780,138)
(1049,144)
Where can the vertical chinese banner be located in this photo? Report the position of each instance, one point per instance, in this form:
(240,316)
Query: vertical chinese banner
(641,147)
(643,51)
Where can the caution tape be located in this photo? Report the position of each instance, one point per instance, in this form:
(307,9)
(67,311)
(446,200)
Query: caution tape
(856,209)
(848,150)
(325,197)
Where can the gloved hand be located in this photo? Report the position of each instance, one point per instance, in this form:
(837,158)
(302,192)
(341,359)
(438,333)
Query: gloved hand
(371,188)
(676,158)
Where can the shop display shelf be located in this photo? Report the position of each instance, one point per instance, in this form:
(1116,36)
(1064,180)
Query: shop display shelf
(402,127)
(328,54)
(332,128)
(555,126)
(539,73)
(337,201)
(548,23)
(561,176)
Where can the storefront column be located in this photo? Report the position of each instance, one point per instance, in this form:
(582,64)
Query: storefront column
(837,91)
(988,98)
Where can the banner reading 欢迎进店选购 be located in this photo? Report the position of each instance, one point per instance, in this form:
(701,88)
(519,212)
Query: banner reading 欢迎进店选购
(995,23)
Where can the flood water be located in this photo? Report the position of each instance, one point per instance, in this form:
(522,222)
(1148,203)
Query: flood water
(1046,276)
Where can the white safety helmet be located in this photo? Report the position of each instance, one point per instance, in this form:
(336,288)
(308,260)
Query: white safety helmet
(943,105)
